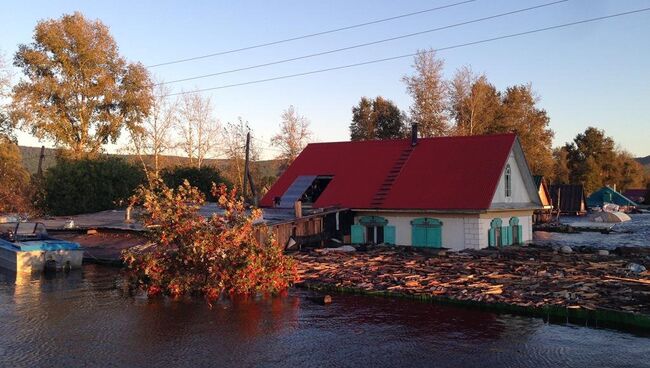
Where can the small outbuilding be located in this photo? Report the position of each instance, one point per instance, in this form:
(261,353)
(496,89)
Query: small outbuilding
(544,214)
(606,195)
(637,195)
(569,199)
(452,192)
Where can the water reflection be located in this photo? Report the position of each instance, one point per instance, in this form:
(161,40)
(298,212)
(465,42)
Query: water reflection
(84,319)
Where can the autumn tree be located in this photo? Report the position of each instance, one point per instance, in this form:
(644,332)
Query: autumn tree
(519,114)
(428,89)
(224,254)
(198,128)
(376,119)
(6,130)
(78,91)
(14,179)
(474,103)
(592,159)
(154,139)
(234,149)
(293,136)
(631,174)
(561,172)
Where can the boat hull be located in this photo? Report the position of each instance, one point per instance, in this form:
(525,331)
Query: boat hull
(35,261)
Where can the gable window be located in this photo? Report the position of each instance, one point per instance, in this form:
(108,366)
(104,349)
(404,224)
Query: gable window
(508,180)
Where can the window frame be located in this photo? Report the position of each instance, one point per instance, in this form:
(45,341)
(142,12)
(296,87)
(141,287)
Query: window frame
(508,181)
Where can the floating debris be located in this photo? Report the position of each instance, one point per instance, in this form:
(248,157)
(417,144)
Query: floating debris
(522,276)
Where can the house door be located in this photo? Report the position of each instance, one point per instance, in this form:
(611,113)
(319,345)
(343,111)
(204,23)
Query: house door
(426,232)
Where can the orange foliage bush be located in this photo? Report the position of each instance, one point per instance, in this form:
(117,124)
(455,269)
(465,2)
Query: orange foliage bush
(195,255)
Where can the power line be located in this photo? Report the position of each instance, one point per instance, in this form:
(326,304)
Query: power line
(366,43)
(310,35)
(512,35)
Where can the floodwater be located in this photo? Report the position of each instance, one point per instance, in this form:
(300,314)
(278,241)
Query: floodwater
(84,319)
(635,232)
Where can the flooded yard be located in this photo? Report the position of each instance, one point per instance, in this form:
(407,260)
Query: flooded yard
(84,319)
(635,232)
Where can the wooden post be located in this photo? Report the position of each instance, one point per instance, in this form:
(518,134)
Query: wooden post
(297,207)
(127,215)
(252,184)
(40,162)
(559,209)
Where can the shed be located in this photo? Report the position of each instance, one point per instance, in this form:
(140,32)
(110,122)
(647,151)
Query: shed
(569,199)
(637,195)
(544,214)
(607,194)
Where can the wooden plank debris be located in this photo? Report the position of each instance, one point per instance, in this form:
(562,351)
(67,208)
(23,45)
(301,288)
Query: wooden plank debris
(523,276)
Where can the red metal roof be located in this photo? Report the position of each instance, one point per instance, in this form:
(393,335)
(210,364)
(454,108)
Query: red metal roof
(442,173)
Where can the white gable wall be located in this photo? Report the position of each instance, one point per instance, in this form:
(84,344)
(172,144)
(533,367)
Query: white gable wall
(519,193)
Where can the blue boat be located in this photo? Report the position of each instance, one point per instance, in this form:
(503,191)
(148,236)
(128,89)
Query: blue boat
(26,247)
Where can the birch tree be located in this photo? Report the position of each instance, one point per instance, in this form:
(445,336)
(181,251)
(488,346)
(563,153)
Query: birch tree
(154,139)
(293,136)
(428,89)
(474,103)
(199,130)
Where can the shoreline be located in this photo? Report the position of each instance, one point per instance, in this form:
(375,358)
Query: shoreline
(529,281)
(601,317)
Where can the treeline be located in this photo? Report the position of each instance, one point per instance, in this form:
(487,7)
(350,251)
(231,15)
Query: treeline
(469,104)
(78,92)
(592,159)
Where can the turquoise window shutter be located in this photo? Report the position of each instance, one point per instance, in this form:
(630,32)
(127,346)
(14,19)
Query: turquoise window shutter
(505,236)
(492,237)
(357,234)
(509,235)
(419,236)
(389,235)
(434,238)
(520,233)
(426,232)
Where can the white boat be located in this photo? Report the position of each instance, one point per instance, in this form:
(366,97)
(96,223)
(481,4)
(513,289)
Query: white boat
(26,247)
(609,217)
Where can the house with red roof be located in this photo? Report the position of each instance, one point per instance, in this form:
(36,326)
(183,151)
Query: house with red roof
(451,192)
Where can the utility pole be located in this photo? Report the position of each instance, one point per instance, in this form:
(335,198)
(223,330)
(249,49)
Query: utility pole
(248,146)
(40,162)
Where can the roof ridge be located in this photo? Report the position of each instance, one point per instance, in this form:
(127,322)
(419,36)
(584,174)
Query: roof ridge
(400,140)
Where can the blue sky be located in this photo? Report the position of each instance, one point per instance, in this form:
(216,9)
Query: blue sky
(595,74)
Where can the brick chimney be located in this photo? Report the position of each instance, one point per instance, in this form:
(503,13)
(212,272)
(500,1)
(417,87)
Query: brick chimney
(414,134)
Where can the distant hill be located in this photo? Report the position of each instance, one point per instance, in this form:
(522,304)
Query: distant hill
(645,161)
(31,156)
